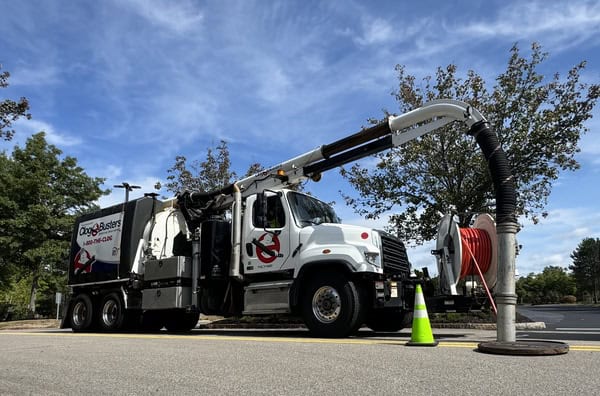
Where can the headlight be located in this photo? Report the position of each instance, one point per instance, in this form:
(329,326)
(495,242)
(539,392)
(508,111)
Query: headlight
(373,258)
(376,239)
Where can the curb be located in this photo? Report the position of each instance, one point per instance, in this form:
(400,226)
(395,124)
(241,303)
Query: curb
(488,326)
(531,326)
(468,326)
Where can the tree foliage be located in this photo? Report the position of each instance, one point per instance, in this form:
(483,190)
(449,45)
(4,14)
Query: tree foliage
(586,267)
(40,194)
(10,111)
(211,174)
(551,286)
(539,122)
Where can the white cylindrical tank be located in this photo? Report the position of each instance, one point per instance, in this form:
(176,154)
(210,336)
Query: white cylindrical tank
(167,225)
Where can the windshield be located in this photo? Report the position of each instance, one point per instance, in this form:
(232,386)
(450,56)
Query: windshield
(310,211)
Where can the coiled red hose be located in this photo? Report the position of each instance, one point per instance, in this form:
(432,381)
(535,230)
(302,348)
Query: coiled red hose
(476,248)
(476,256)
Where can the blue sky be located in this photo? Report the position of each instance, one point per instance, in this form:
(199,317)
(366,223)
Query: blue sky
(126,85)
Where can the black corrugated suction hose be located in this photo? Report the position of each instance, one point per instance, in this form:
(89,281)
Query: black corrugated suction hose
(504,185)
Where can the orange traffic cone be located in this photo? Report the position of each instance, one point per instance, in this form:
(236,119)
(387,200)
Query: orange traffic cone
(421,329)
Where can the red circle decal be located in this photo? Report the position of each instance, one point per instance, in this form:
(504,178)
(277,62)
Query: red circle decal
(271,242)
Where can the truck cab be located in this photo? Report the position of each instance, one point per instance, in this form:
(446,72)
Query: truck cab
(299,258)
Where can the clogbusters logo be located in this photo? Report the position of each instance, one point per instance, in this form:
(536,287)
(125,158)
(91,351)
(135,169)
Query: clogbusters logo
(100,238)
(99,227)
(81,259)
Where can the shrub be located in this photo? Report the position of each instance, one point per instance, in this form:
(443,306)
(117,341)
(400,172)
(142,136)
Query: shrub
(569,299)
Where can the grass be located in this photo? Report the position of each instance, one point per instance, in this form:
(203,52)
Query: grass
(30,324)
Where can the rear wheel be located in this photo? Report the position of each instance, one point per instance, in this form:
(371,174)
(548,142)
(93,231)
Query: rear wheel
(82,313)
(111,313)
(389,319)
(331,305)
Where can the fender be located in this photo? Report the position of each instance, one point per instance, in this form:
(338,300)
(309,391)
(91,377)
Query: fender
(315,266)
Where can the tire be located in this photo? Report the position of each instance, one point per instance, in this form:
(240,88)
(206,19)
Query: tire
(331,305)
(179,321)
(111,314)
(389,320)
(363,307)
(82,313)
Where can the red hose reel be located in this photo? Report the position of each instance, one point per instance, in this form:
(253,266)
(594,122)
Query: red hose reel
(463,252)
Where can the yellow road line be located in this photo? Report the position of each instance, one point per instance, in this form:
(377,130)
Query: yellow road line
(588,348)
(350,341)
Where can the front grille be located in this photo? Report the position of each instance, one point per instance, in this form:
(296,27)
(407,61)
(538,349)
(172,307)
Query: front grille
(395,260)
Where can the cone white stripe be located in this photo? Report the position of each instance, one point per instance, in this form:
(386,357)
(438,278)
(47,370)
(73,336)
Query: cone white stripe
(420,315)
(419,299)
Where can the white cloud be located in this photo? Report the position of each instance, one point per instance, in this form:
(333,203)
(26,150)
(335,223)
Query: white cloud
(590,142)
(552,241)
(274,84)
(39,75)
(375,31)
(112,172)
(559,24)
(534,18)
(54,137)
(179,17)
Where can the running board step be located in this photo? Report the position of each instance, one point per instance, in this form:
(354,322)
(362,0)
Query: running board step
(267,298)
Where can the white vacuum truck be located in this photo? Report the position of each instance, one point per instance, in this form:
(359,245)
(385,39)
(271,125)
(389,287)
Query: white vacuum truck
(252,248)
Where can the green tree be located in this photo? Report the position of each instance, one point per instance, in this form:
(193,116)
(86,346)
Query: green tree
(586,267)
(211,174)
(529,289)
(539,122)
(551,286)
(40,194)
(254,169)
(10,110)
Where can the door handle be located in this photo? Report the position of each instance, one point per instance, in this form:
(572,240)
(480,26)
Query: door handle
(249,249)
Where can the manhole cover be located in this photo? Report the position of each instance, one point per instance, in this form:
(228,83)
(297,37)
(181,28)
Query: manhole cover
(525,347)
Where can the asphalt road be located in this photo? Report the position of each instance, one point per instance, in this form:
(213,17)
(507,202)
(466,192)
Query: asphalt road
(281,362)
(563,322)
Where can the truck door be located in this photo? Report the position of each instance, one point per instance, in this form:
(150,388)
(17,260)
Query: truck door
(266,244)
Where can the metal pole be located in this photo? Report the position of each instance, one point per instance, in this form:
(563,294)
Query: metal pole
(128,187)
(506,298)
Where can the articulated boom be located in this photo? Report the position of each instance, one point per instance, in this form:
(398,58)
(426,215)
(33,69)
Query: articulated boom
(392,133)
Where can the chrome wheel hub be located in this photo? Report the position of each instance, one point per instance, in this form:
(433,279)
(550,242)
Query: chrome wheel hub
(110,312)
(326,304)
(79,314)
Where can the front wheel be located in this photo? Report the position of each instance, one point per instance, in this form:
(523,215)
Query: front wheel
(111,314)
(331,305)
